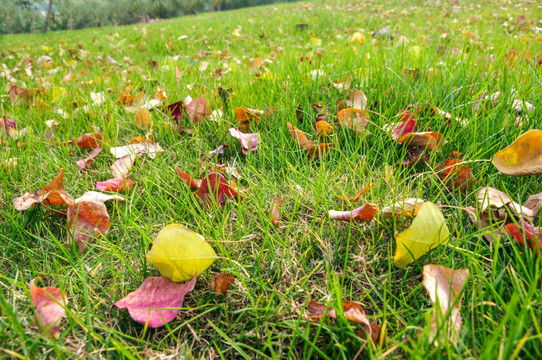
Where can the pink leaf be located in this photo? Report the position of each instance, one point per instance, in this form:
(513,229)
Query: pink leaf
(116,185)
(363,213)
(156,301)
(49,303)
(406,126)
(249,142)
(89,159)
(197,110)
(7,124)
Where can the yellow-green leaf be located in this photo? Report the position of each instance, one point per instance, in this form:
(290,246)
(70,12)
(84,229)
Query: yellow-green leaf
(428,230)
(179,253)
(59,93)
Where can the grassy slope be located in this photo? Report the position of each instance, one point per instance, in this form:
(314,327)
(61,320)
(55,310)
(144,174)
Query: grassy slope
(308,257)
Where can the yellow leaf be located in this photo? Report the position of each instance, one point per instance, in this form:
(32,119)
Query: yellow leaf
(428,230)
(58,94)
(142,119)
(179,253)
(523,157)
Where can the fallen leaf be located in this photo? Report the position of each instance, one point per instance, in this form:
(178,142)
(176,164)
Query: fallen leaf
(7,125)
(522,157)
(116,185)
(53,193)
(298,136)
(314,149)
(454,175)
(357,100)
(406,126)
(122,166)
(275,211)
(354,119)
(351,311)
(218,151)
(85,219)
(179,253)
(197,110)
(98,197)
(428,230)
(444,287)
(88,141)
(150,148)
(215,187)
(323,129)
(408,207)
(50,306)
(364,213)
(491,198)
(359,194)
(249,142)
(157,301)
(189,180)
(17,94)
(526,233)
(176,110)
(142,119)
(89,159)
(430,140)
(222,282)
(534,202)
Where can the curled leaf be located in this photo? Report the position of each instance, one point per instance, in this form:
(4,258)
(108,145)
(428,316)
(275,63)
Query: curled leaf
(98,197)
(430,140)
(85,219)
(122,166)
(428,230)
(323,129)
(50,303)
(364,213)
(522,157)
(216,187)
(157,301)
(189,180)
(354,119)
(116,185)
(407,207)
(179,253)
(444,286)
(249,142)
(222,283)
(53,193)
(275,211)
(525,233)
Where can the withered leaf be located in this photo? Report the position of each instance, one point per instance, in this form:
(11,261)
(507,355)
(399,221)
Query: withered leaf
(352,312)
(86,219)
(122,166)
(222,282)
(88,141)
(197,110)
(189,180)
(53,193)
(116,185)
(157,301)
(275,211)
(50,306)
(430,140)
(364,213)
(454,175)
(444,286)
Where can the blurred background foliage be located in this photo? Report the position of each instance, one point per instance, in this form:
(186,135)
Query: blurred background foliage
(20,16)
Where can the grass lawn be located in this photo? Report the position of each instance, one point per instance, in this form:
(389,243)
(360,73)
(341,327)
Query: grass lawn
(451,55)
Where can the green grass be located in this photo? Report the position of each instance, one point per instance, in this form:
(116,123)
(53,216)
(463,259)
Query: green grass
(309,257)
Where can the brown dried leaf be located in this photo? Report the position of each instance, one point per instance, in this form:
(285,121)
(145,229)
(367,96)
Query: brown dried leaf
(222,283)
(189,180)
(454,175)
(275,211)
(49,303)
(430,140)
(142,119)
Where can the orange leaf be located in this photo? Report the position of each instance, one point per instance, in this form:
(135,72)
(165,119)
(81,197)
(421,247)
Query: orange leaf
(431,140)
(364,213)
(222,283)
(323,128)
(275,211)
(53,193)
(456,176)
(358,195)
(523,157)
(189,180)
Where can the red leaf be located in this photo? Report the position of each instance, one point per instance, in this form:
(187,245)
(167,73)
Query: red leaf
(406,126)
(49,303)
(86,219)
(176,110)
(533,235)
(189,180)
(216,187)
(157,301)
